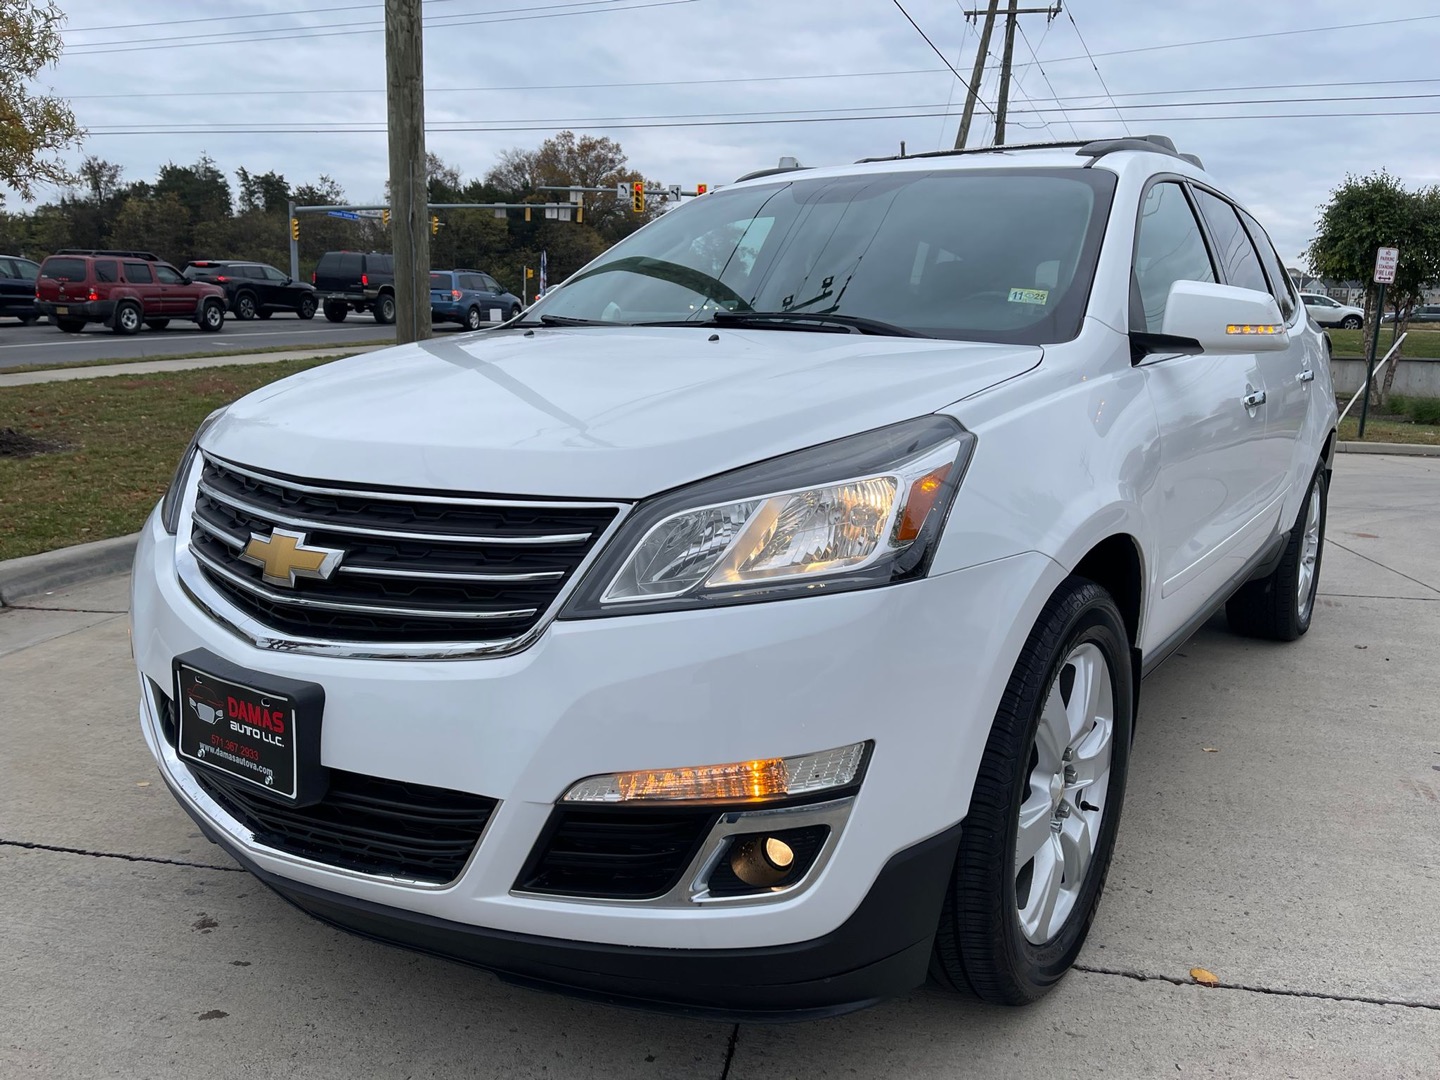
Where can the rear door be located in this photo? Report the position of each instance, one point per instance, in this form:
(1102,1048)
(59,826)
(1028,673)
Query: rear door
(12,289)
(140,276)
(1211,485)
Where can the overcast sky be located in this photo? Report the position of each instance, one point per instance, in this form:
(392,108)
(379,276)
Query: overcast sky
(132,66)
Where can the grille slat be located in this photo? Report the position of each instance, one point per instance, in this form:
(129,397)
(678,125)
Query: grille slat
(636,854)
(476,569)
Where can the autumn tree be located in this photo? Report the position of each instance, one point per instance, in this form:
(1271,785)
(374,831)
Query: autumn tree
(1371,212)
(34,128)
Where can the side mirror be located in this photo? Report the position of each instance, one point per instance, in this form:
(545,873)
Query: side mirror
(1223,319)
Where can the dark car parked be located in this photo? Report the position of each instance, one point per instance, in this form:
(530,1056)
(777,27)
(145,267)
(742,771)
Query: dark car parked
(255,290)
(122,289)
(17,288)
(471,298)
(358,281)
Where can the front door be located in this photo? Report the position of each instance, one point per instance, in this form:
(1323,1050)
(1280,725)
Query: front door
(141,279)
(1210,500)
(177,295)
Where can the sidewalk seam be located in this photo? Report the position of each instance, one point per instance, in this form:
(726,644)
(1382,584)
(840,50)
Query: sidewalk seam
(116,855)
(1321,995)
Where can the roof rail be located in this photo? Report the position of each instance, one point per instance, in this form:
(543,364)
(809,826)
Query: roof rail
(117,253)
(978,150)
(1154,144)
(1092,148)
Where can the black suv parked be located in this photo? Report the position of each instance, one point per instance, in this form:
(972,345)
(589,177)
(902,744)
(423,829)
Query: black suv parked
(255,290)
(358,280)
(17,288)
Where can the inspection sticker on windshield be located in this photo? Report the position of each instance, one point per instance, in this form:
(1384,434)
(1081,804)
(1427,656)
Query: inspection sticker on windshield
(1029,296)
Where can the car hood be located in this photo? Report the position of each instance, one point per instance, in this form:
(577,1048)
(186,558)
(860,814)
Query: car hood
(609,412)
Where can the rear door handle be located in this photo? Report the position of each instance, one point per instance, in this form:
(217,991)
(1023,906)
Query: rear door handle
(1306,375)
(1252,400)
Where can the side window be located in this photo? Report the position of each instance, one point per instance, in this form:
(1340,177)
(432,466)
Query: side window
(1233,248)
(7,269)
(138,273)
(472,281)
(271,274)
(28,271)
(348,267)
(107,270)
(1169,247)
(490,283)
(168,276)
(1279,280)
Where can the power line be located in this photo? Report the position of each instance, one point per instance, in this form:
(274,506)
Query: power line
(935,111)
(231,18)
(1069,15)
(1035,53)
(231,39)
(937,52)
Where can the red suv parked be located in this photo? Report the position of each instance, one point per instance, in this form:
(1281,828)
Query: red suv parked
(122,289)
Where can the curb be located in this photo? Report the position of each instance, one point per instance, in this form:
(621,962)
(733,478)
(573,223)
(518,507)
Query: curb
(1398,449)
(50,570)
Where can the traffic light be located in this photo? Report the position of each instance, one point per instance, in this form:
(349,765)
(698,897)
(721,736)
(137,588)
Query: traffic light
(294,228)
(529,272)
(637,196)
(385,218)
(701,189)
(434,225)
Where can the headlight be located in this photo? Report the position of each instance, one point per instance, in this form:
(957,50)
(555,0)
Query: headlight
(855,513)
(170,504)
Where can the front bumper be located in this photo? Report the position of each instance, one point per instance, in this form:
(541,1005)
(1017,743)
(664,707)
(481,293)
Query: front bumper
(918,669)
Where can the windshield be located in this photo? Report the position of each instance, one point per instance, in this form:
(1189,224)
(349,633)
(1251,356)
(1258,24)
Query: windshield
(986,255)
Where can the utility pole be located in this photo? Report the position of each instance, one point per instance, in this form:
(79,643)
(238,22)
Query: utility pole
(976,74)
(1002,105)
(409,227)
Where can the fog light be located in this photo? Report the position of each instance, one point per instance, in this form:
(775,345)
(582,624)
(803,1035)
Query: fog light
(762,862)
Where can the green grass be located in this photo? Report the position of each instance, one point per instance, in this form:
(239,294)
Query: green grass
(121,435)
(261,351)
(1421,410)
(1351,344)
(1391,429)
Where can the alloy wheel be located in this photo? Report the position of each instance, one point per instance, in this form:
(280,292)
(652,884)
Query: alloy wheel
(1309,553)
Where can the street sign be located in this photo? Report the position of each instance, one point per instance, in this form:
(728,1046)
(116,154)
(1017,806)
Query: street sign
(1385,262)
(673,192)
(348,215)
(380,214)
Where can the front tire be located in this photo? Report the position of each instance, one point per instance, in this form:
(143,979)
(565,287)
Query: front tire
(212,317)
(385,309)
(1036,843)
(1350,322)
(306,310)
(1280,605)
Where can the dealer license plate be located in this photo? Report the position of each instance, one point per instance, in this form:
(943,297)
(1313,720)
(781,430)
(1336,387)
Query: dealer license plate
(251,732)
(62,311)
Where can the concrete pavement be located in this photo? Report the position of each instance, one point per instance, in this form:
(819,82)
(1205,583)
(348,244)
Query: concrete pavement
(1279,830)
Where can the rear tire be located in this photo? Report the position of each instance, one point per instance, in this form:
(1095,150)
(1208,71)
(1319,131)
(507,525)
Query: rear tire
(157,324)
(1279,606)
(513,313)
(212,317)
(127,320)
(1350,322)
(1046,804)
(28,320)
(336,312)
(70,326)
(385,309)
(245,307)
(306,310)
(472,319)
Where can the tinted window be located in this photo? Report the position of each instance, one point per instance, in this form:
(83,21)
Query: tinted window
(7,269)
(1238,260)
(169,276)
(347,266)
(1169,247)
(381,264)
(1279,280)
(473,282)
(490,283)
(440,281)
(29,271)
(107,270)
(988,255)
(256,272)
(271,274)
(69,269)
(138,273)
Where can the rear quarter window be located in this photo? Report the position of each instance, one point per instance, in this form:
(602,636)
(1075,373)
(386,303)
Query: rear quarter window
(69,269)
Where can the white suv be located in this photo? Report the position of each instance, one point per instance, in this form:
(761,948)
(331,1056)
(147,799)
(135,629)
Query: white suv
(1328,312)
(759,623)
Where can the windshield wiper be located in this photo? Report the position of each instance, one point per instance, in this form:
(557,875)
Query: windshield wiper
(816,319)
(565,320)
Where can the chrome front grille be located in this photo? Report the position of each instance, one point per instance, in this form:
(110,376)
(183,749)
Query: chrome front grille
(417,566)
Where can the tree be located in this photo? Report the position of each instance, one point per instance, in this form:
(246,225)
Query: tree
(267,192)
(160,224)
(34,128)
(100,178)
(1371,212)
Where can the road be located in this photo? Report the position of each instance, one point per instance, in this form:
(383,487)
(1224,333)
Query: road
(1279,830)
(44,344)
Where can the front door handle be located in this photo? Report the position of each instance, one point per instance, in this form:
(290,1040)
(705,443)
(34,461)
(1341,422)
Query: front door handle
(1306,375)
(1252,400)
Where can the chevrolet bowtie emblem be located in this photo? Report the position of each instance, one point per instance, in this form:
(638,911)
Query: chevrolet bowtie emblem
(283,556)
